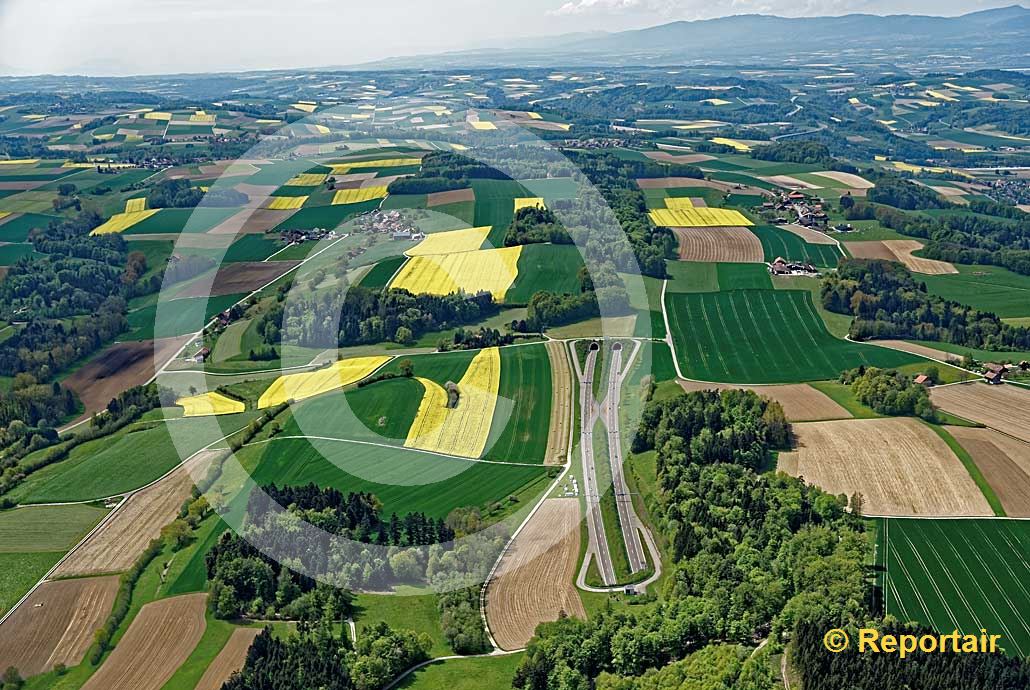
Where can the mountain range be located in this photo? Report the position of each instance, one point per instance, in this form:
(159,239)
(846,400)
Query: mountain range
(997,37)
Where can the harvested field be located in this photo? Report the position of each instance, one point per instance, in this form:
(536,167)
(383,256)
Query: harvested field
(870,250)
(737,244)
(851,180)
(160,639)
(1004,462)
(921,350)
(127,531)
(55,625)
(21,185)
(119,367)
(561,403)
(899,465)
(800,402)
(808,234)
(452,197)
(239,277)
(1005,407)
(789,182)
(229,660)
(534,582)
(684,159)
(903,249)
(255,222)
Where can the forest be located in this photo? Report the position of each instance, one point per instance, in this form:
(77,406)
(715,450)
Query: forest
(887,302)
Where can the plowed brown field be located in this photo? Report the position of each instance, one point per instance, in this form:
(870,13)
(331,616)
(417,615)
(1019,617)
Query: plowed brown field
(1004,462)
(1005,407)
(900,466)
(55,625)
(126,532)
(160,639)
(229,660)
(719,244)
(534,582)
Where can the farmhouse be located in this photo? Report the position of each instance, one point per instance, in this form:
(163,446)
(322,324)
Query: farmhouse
(782,267)
(995,373)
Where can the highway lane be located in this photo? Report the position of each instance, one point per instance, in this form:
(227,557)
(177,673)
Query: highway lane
(623,500)
(588,418)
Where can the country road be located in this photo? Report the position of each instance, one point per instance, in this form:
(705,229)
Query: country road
(627,516)
(598,542)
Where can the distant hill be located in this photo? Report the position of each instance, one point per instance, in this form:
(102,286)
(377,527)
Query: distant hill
(998,37)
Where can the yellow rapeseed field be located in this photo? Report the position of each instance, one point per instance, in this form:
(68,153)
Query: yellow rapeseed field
(716,101)
(306,107)
(306,180)
(136,205)
(201,116)
(285,203)
(739,145)
(311,383)
(209,403)
(354,196)
(158,115)
(120,222)
(678,203)
(698,218)
(483,125)
(940,96)
(19,161)
(527,202)
(451,242)
(464,429)
(344,168)
(534,116)
(493,270)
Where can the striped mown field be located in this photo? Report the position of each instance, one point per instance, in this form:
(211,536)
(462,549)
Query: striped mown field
(959,574)
(763,336)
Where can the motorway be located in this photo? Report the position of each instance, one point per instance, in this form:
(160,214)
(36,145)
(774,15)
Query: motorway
(588,418)
(627,516)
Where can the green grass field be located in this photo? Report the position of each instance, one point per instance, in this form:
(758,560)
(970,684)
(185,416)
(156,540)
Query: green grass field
(990,288)
(124,461)
(379,275)
(521,420)
(495,206)
(401,612)
(554,267)
(10,253)
(959,574)
(17,229)
(252,248)
(777,242)
(216,634)
(46,528)
(478,673)
(326,216)
(380,413)
(733,276)
(406,480)
(178,317)
(692,276)
(178,220)
(20,571)
(763,336)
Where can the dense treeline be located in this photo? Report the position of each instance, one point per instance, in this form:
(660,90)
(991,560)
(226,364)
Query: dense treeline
(818,669)
(960,238)
(369,316)
(887,302)
(181,193)
(461,622)
(900,193)
(751,555)
(797,151)
(890,392)
(315,657)
(245,581)
(533,225)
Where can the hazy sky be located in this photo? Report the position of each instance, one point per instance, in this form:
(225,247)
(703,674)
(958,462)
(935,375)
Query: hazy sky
(117,37)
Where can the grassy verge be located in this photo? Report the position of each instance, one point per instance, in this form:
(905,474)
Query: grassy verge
(477,673)
(841,394)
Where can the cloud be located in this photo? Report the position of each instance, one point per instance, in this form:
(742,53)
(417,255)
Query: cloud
(581,7)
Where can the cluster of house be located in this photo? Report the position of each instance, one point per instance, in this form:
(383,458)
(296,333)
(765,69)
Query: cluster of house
(595,143)
(809,211)
(995,373)
(302,235)
(782,267)
(393,222)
